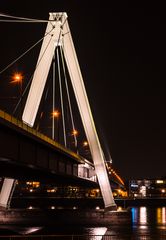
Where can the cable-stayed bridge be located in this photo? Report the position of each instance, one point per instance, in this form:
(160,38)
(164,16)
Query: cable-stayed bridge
(28,149)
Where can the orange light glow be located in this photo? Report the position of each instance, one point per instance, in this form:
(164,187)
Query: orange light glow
(116,175)
(55,114)
(17,78)
(75,132)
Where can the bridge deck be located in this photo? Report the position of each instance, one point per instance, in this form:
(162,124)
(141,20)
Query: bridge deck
(28,154)
(7,118)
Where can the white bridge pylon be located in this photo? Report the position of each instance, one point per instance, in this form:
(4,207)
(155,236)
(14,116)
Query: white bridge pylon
(58,34)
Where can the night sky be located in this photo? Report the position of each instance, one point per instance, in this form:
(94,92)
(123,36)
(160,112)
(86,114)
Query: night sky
(121,51)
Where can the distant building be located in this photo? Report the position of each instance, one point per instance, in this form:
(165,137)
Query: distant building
(147,188)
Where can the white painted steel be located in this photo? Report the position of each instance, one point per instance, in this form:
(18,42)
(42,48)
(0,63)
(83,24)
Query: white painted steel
(6,191)
(51,40)
(86,116)
(37,87)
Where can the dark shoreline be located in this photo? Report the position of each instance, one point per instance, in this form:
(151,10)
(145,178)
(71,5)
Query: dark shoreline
(147,202)
(81,203)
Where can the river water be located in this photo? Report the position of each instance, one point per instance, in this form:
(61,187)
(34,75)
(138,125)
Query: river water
(148,223)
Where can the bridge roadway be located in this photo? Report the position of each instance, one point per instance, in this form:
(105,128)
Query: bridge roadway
(28,154)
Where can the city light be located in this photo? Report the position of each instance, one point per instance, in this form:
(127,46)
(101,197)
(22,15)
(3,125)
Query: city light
(159,181)
(85,143)
(116,175)
(74,132)
(56,114)
(119,209)
(17,78)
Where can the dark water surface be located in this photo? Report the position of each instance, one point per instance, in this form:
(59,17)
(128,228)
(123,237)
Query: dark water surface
(148,223)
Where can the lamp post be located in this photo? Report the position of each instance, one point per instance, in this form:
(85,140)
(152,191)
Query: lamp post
(85,144)
(85,149)
(55,115)
(75,134)
(17,78)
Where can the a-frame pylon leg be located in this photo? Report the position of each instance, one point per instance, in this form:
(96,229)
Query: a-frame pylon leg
(6,192)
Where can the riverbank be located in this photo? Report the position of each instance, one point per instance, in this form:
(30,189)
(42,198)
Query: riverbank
(80,203)
(147,202)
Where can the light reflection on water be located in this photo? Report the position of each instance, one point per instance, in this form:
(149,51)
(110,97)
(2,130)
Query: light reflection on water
(139,215)
(96,233)
(143,215)
(150,222)
(147,224)
(161,215)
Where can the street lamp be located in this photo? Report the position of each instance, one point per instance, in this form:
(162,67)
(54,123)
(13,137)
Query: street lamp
(85,149)
(55,115)
(85,144)
(17,78)
(75,134)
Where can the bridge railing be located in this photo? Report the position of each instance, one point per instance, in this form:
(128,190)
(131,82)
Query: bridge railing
(86,237)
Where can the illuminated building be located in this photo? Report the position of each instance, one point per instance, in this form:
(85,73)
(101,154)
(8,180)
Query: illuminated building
(147,188)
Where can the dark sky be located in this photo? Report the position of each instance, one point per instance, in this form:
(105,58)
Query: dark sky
(121,50)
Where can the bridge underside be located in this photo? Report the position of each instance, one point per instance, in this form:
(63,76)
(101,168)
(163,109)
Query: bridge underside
(22,172)
(26,154)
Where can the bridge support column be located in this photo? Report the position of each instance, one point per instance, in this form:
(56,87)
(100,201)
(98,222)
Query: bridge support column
(7,192)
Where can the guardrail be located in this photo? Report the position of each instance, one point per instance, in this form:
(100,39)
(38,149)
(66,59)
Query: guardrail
(85,237)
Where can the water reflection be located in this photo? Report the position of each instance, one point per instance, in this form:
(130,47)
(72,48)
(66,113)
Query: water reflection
(161,215)
(146,216)
(96,233)
(148,224)
(143,215)
(28,230)
(19,230)
(139,215)
(134,212)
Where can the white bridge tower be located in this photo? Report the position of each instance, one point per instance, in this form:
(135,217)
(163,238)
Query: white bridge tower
(58,34)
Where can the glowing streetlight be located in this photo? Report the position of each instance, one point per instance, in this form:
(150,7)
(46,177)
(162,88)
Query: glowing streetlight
(17,78)
(85,144)
(55,115)
(74,132)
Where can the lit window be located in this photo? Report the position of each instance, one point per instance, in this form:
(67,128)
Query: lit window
(159,181)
